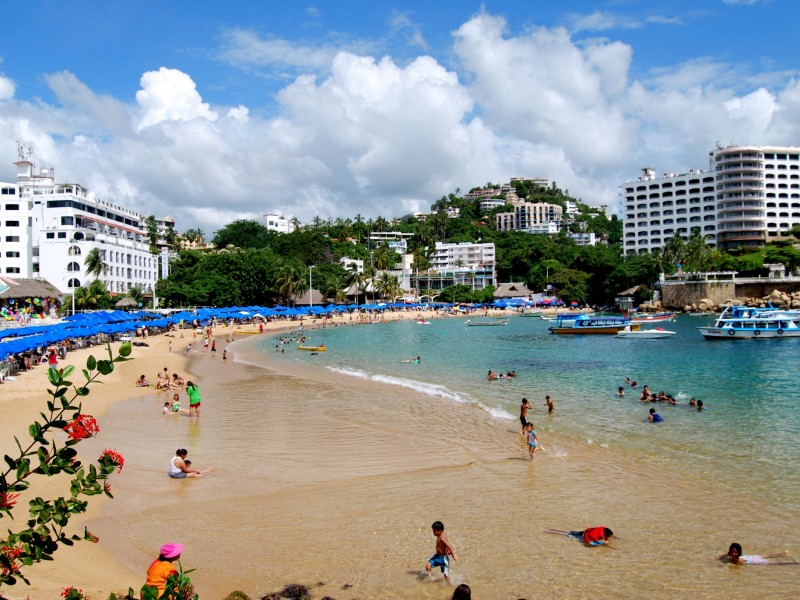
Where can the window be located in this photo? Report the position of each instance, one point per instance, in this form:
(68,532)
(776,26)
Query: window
(74,251)
(50,235)
(12,238)
(9,191)
(12,270)
(62,235)
(12,206)
(67,221)
(73,266)
(12,223)
(12,254)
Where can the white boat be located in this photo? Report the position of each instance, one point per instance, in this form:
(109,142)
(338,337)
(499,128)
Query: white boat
(494,323)
(744,322)
(650,334)
(652,317)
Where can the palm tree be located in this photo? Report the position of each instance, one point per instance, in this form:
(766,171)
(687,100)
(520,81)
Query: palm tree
(287,280)
(93,296)
(357,279)
(95,263)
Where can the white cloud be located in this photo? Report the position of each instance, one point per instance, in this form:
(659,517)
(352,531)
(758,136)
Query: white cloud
(7,88)
(360,134)
(170,95)
(244,49)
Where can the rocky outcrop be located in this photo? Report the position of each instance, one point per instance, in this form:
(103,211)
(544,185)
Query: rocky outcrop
(776,298)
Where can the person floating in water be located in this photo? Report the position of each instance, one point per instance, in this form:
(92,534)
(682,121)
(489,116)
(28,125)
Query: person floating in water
(594,536)
(654,417)
(734,556)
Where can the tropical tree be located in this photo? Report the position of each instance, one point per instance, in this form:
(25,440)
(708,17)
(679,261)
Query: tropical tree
(286,279)
(95,296)
(95,263)
(356,279)
(244,233)
(194,236)
(151,226)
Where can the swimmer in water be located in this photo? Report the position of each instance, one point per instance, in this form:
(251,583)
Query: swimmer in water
(734,556)
(594,536)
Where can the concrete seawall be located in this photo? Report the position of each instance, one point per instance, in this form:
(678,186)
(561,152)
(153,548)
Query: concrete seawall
(676,295)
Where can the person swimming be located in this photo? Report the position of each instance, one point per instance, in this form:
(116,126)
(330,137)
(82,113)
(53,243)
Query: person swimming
(734,556)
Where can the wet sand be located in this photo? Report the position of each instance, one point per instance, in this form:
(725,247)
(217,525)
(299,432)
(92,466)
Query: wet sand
(321,477)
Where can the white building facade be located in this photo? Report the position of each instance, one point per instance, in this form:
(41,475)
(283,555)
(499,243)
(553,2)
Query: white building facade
(749,195)
(277,223)
(530,217)
(466,263)
(48,229)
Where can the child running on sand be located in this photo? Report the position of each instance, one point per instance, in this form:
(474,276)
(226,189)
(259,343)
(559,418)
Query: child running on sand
(533,441)
(443,552)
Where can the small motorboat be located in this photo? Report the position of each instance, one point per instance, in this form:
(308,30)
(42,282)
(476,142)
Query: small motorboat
(312,348)
(650,334)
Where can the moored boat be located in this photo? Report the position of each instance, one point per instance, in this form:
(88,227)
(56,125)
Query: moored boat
(653,317)
(649,334)
(312,348)
(594,325)
(744,322)
(494,323)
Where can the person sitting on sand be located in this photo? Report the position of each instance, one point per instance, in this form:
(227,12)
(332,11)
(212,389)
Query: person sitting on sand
(162,383)
(735,557)
(177,381)
(161,568)
(178,468)
(167,408)
(142,382)
(176,405)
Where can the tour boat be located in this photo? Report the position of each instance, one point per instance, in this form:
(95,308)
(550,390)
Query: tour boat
(744,322)
(594,325)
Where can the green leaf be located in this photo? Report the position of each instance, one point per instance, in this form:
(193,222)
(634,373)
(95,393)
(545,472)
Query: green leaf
(105,367)
(82,391)
(69,370)
(91,363)
(53,376)
(125,349)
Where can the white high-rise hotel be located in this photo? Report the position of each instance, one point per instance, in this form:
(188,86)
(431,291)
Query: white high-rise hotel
(749,195)
(48,228)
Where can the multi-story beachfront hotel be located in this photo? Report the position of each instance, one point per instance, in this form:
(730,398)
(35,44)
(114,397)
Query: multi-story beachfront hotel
(748,195)
(48,228)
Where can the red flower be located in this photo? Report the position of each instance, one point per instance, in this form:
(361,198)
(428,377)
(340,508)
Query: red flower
(82,427)
(114,457)
(72,593)
(12,554)
(8,500)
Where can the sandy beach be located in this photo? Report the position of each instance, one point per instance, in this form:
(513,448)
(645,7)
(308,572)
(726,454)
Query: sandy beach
(320,478)
(93,567)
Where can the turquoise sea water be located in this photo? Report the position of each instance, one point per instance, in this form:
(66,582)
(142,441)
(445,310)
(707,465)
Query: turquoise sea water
(747,438)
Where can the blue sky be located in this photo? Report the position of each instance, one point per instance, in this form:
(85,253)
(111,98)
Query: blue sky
(212,111)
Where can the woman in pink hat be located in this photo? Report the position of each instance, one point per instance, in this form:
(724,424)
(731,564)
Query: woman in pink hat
(161,568)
